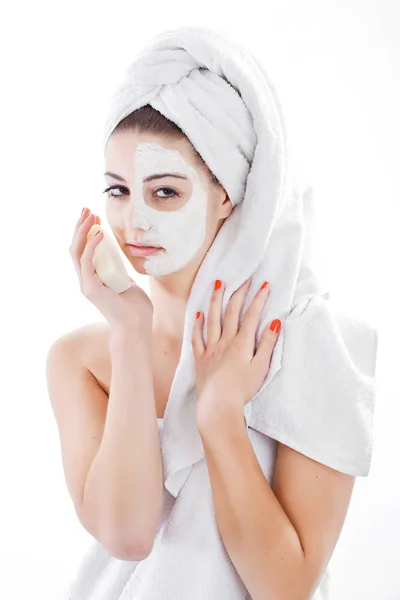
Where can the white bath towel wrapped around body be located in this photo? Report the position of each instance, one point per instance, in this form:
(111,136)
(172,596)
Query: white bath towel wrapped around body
(318,397)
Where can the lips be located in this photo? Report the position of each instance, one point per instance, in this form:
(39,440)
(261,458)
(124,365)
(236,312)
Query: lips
(143,251)
(143,246)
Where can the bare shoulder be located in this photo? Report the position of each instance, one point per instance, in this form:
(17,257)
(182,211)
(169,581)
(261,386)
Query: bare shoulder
(83,340)
(90,345)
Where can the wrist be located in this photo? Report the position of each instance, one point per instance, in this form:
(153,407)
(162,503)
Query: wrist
(219,420)
(132,334)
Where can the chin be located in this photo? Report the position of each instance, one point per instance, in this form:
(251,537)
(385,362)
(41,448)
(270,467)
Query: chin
(137,263)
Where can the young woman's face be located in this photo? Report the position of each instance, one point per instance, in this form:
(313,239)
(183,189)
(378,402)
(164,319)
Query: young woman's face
(175,213)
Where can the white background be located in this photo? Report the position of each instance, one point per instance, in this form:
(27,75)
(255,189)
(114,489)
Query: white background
(336,68)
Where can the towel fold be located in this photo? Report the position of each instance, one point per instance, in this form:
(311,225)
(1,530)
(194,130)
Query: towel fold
(318,396)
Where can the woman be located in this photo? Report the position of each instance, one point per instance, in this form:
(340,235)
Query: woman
(249,490)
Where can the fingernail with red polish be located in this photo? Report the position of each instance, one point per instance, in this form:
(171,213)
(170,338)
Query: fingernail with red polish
(275,326)
(218,284)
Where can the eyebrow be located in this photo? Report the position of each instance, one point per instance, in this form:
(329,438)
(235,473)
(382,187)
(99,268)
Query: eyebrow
(149,177)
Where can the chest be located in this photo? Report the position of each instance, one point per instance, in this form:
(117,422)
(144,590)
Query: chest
(165,363)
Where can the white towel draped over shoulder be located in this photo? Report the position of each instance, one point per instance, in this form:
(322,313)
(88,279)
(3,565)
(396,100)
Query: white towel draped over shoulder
(318,396)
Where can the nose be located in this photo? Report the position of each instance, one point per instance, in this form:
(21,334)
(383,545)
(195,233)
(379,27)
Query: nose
(139,217)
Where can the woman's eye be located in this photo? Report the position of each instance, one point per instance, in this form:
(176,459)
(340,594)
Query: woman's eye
(166,197)
(114,187)
(125,191)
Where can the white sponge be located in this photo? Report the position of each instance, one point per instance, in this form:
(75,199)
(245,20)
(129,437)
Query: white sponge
(108,262)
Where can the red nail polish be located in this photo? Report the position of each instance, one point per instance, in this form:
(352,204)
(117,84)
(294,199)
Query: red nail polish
(264,285)
(275,326)
(198,314)
(218,284)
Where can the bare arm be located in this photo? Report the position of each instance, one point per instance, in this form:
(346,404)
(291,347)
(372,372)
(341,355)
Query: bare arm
(124,486)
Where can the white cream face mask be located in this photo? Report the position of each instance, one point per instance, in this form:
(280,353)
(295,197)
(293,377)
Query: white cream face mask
(180,232)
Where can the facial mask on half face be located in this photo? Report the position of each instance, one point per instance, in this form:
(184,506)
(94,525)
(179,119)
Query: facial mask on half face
(180,232)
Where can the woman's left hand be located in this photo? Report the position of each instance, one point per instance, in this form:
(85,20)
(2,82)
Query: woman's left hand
(230,371)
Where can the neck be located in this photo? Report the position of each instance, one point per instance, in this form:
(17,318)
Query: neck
(169,295)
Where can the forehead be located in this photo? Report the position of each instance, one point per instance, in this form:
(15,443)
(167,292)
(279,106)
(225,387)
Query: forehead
(153,158)
(133,157)
(127,148)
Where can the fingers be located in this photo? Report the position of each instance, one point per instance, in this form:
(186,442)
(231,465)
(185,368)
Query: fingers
(251,319)
(197,336)
(232,312)
(262,357)
(85,212)
(79,238)
(214,326)
(89,279)
(230,328)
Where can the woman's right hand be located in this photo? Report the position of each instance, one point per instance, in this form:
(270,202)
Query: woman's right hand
(130,309)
